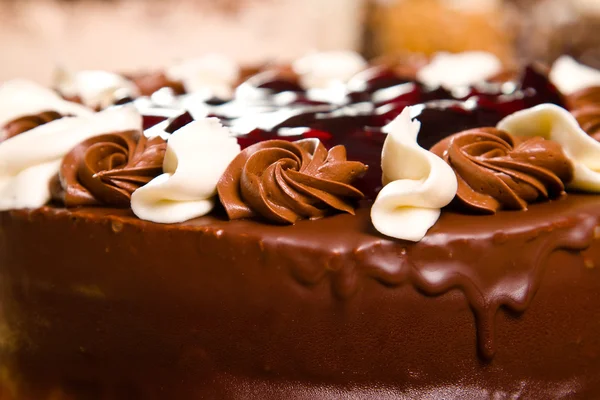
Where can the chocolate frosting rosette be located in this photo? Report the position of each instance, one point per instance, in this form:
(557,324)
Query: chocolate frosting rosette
(585,107)
(496,170)
(287,181)
(26,123)
(107,169)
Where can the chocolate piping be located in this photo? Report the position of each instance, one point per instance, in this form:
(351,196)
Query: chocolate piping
(26,123)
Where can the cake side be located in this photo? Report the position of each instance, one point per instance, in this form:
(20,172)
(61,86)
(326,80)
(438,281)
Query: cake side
(211,309)
(330,228)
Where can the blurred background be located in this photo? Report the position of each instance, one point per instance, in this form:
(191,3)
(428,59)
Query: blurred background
(37,36)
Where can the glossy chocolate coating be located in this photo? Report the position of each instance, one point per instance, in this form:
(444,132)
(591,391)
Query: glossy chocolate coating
(98,304)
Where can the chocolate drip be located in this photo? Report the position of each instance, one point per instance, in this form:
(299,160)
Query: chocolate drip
(502,269)
(509,275)
(288,302)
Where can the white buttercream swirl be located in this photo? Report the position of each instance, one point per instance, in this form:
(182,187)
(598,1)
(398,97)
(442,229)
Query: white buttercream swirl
(417,183)
(569,76)
(555,123)
(197,155)
(321,70)
(96,89)
(29,161)
(208,76)
(452,70)
(20,98)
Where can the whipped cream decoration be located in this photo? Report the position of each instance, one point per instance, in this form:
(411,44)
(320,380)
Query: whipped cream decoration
(197,155)
(95,89)
(28,162)
(569,76)
(555,123)
(335,93)
(452,70)
(417,183)
(212,75)
(322,69)
(20,98)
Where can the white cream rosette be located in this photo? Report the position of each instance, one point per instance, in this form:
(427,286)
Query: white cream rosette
(555,123)
(569,76)
(96,89)
(321,70)
(197,155)
(452,70)
(20,98)
(417,183)
(207,76)
(29,161)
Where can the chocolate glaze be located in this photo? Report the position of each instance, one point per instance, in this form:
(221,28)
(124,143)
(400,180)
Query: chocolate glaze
(499,306)
(97,304)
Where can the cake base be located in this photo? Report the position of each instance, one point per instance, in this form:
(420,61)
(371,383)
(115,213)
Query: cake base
(97,304)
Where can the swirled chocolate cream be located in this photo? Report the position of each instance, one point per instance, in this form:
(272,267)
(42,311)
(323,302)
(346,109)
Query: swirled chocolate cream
(326,229)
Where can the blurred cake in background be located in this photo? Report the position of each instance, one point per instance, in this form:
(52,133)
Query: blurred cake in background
(126,35)
(430,26)
(130,36)
(518,32)
(551,28)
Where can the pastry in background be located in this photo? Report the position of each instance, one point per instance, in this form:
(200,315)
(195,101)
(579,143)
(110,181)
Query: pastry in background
(431,26)
(548,29)
(132,36)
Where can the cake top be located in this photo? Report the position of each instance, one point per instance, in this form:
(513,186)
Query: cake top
(326,134)
(373,155)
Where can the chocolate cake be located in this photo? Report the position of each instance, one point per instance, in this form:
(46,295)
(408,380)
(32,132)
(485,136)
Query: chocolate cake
(325,232)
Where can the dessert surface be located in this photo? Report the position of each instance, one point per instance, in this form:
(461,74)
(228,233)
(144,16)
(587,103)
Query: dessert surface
(483,306)
(305,243)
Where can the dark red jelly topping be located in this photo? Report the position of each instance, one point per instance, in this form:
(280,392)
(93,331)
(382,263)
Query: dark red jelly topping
(375,97)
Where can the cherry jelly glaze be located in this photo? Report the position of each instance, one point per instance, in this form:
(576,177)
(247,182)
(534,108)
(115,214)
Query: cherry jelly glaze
(371,100)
